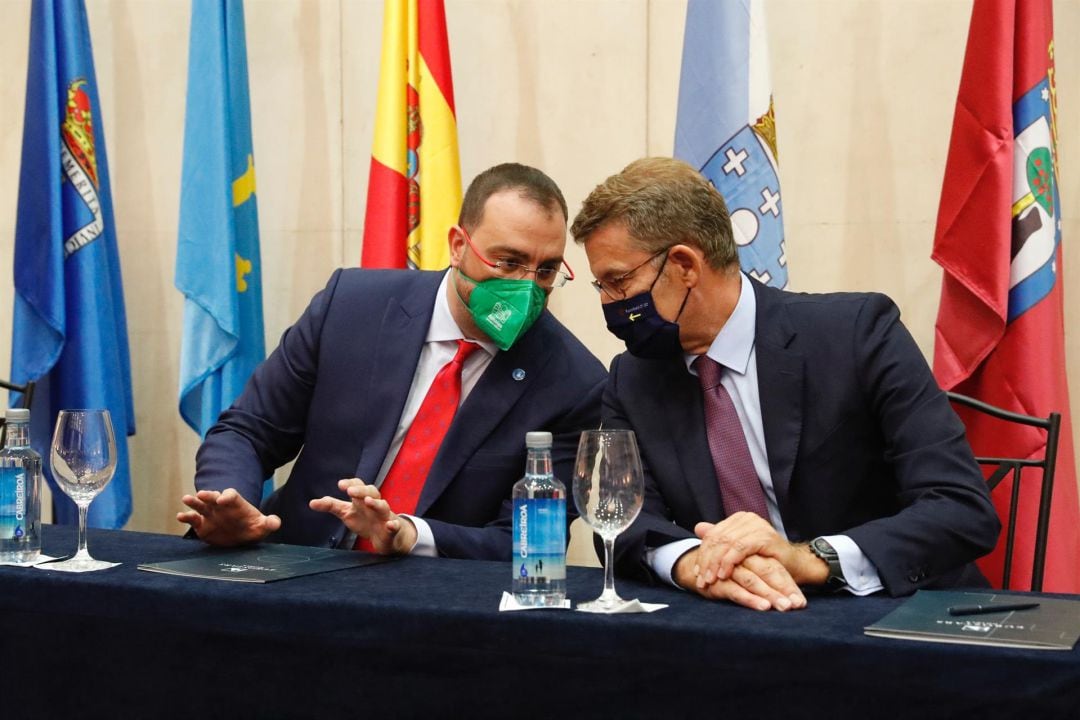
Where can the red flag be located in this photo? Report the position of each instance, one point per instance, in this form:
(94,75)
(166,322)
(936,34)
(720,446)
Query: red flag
(1000,327)
(414,188)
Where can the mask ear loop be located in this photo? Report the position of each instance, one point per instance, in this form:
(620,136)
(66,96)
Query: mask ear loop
(681,307)
(686,297)
(458,290)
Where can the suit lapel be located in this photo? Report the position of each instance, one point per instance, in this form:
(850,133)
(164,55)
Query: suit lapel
(490,401)
(397,348)
(780,388)
(684,425)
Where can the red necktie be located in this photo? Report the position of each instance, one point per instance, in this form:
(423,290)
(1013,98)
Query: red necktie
(739,485)
(402,485)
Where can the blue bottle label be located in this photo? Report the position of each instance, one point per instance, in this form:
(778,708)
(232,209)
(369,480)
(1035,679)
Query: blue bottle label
(13,503)
(539,540)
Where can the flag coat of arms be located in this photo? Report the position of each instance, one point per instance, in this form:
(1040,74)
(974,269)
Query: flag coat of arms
(726,126)
(1000,327)
(218,266)
(70,327)
(414,187)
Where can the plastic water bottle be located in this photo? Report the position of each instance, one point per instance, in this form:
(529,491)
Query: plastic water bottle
(20,492)
(539,560)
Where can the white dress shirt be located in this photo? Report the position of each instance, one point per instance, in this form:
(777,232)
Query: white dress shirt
(733,348)
(440,347)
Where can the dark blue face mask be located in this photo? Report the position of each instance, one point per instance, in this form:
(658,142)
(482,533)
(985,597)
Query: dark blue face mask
(635,321)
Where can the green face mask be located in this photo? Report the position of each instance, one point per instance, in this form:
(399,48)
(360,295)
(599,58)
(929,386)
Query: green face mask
(504,309)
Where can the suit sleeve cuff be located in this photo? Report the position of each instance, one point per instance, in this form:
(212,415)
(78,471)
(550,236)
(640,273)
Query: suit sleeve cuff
(859,573)
(662,559)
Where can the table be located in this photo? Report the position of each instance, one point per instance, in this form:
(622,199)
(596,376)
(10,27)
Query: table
(423,637)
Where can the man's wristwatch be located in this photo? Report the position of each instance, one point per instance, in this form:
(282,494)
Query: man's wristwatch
(821,547)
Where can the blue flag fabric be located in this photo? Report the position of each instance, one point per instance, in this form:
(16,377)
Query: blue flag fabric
(217,259)
(726,127)
(70,328)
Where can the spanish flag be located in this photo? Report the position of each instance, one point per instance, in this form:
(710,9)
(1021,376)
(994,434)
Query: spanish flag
(414,189)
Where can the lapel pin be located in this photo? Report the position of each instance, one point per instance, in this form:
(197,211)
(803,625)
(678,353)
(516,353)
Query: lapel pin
(518,374)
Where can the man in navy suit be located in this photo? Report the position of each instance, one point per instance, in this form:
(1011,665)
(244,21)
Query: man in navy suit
(342,389)
(789,439)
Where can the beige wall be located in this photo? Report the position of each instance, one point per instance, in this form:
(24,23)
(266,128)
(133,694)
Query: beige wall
(864,93)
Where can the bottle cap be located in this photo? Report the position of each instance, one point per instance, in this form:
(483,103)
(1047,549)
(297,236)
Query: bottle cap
(22,415)
(538,440)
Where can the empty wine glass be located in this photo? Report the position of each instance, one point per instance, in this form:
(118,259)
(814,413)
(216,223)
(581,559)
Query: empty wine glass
(83,460)
(608,492)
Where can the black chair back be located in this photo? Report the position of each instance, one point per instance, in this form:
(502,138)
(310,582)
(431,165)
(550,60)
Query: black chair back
(1006,466)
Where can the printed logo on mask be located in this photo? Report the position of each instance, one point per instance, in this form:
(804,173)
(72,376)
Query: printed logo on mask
(499,314)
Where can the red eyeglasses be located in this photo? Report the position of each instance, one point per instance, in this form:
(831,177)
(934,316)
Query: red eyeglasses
(547,277)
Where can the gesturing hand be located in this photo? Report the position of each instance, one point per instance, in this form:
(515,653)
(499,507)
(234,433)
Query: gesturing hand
(225,518)
(369,516)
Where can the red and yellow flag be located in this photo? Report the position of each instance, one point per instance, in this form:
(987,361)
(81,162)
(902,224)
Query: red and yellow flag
(414,189)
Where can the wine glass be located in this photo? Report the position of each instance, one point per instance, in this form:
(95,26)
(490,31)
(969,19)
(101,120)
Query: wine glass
(608,492)
(83,461)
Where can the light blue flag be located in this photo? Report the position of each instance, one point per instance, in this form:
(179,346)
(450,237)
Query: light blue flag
(217,258)
(70,329)
(726,126)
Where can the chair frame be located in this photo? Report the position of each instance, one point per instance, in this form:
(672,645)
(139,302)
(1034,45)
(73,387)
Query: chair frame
(1014,466)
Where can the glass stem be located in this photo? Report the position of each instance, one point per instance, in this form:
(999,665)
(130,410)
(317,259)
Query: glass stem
(609,570)
(82,552)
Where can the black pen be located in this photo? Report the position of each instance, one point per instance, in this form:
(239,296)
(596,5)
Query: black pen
(991,609)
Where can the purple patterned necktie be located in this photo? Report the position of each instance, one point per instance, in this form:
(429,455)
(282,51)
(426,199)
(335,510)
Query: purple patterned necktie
(739,485)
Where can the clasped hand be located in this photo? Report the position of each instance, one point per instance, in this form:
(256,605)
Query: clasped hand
(743,559)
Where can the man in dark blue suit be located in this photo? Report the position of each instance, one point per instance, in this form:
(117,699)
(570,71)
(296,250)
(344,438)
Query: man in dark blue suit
(789,439)
(341,391)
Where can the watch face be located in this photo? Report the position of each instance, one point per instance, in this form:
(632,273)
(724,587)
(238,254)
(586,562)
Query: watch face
(821,546)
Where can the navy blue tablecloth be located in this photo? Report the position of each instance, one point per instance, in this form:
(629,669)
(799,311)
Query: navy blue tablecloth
(423,637)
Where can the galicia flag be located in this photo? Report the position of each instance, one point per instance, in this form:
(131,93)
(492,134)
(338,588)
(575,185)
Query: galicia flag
(414,188)
(218,268)
(726,127)
(70,329)
(1000,327)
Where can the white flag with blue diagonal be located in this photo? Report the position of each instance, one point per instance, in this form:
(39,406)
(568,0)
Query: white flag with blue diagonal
(726,127)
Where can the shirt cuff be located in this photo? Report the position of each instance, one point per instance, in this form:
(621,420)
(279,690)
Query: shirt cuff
(662,559)
(859,573)
(425,540)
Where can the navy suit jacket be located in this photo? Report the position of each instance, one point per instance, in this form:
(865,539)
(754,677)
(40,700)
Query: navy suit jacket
(860,439)
(332,393)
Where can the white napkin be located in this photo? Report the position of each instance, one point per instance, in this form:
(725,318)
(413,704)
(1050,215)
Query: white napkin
(31,563)
(509,604)
(630,606)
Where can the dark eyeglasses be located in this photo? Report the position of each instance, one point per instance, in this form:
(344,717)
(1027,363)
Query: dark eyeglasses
(546,277)
(615,288)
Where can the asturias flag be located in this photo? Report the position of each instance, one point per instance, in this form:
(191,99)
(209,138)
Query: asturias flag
(726,127)
(1000,327)
(70,329)
(217,257)
(414,189)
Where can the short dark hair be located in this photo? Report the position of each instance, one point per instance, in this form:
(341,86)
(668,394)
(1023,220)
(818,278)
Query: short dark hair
(530,183)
